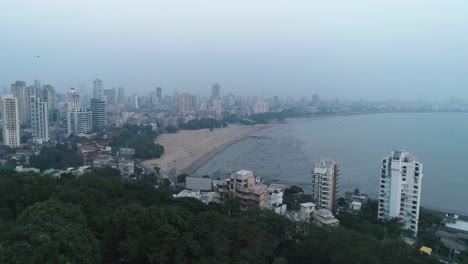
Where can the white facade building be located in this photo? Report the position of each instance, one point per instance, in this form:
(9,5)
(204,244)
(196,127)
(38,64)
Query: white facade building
(275,194)
(39,119)
(11,126)
(73,100)
(325,183)
(307,211)
(323,217)
(79,121)
(400,189)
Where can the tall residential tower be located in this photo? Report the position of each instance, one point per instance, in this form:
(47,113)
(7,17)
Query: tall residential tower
(98,107)
(39,119)
(11,127)
(325,184)
(98,90)
(400,189)
(22,94)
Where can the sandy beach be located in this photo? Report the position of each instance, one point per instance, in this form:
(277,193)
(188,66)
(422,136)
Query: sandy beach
(188,150)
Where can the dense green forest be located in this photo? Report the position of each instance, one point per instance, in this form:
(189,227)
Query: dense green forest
(202,124)
(140,138)
(102,219)
(61,156)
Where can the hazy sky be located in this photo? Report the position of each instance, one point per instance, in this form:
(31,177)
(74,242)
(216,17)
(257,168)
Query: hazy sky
(369,49)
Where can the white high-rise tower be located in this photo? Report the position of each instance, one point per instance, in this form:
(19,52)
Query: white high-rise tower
(73,100)
(11,127)
(400,189)
(39,119)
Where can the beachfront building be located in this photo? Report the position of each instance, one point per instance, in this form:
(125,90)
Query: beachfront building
(400,189)
(274,198)
(325,183)
(200,189)
(244,186)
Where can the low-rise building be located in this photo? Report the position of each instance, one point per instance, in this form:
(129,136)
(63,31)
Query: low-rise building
(198,183)
(324,217)
(356,206)
(275,198)
(307,211)
(125,166)
(457,227)
(204,197)
(22,169)
(244,186)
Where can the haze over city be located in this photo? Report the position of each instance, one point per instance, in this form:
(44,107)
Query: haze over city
(407,50)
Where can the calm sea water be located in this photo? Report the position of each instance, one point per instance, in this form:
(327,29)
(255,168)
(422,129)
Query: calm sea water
(287,152)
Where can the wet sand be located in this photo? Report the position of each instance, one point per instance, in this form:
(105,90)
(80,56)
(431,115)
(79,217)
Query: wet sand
(188,150)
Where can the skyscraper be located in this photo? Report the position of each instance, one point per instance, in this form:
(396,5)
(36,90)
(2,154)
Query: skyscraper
(185,103)
(400,189)
(325,183)
(120,96)
(111,96)
(159,94)
(98,90)
(98,107)
(22,94)
(48,95)
(39,119)
(11,127)
(73,100)
(215,92)
(79,121)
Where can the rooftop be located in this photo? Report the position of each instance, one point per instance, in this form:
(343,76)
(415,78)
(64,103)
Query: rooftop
(402,155)
(325,163)
(460,225)
(309,204)
(277,186)
(243,172)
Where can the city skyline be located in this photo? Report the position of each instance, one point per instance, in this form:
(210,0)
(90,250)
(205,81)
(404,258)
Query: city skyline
(332,48)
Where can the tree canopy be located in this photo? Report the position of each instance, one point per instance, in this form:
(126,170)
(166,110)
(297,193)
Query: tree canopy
(96,218)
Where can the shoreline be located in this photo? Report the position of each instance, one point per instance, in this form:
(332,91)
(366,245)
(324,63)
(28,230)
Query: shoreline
(180,156)
(202,160)
(196,163)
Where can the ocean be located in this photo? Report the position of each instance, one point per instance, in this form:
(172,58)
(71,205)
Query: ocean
(286,153)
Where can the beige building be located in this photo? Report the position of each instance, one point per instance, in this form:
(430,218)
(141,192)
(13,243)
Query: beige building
(244,186)
(185,103)
(325,185)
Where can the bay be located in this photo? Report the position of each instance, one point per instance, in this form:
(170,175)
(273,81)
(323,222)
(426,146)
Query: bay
(286,153)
